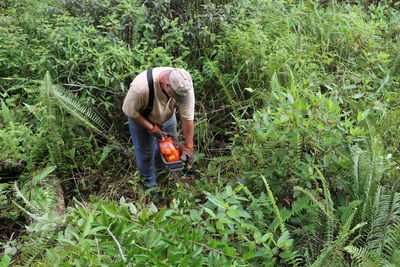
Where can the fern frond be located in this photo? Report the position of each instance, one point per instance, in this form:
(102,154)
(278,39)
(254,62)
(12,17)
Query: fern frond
(368,194)
(363,256)
(299,205)
(50,198)
(392,241)
(275,207)
(87,116)
(32,249)
(298,146)
(42,204)
(345,228)
(255,207)
(376,161)
(336,245)
(356,151)
(367,173)
(317,201)
(316,238)
(387,212)
(84,114)
(329,207)
(71,103)
(30,205)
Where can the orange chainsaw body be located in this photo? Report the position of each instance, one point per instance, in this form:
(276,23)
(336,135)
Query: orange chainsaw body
(168,149)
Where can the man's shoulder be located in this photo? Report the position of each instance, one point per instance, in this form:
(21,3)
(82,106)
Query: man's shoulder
(139,84)
(158,70)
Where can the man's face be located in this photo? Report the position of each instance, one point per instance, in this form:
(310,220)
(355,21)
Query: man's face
(169,90)
(165,85)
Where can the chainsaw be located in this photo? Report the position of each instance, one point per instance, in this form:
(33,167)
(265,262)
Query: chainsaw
(171,154)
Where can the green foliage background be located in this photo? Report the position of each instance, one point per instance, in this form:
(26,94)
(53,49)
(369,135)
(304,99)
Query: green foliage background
(297,133)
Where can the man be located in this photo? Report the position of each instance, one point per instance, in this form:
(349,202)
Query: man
(150,120)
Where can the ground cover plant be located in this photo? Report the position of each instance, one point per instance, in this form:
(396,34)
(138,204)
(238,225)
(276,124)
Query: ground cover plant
(297,134)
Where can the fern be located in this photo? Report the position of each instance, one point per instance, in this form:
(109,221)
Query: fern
(374,176)
(387,212)
(368,169)
(45,220)
(31,206)
(275,207)
(333,246)
(356,151)
(362,255)
(370,256)
(380,208)
(255,206)
(85,115)
(70,103)
(336,245)
(392,242)
(39,206)
(321,203)
(299,144)
(329,206)
(33,248)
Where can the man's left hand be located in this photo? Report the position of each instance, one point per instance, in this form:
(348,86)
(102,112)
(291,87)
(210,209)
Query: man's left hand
(187,152)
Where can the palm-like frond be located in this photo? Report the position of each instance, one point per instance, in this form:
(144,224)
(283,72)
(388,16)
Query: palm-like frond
(275,207)
(87,116)
(387,212)
(363,256)
(337,245)
(392,241)
(33,248)
(45,220)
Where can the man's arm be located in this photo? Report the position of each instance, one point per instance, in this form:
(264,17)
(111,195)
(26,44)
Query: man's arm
(188,130)
(151,128)
(143,122)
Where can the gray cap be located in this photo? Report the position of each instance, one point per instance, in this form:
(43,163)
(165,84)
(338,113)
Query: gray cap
(182,84)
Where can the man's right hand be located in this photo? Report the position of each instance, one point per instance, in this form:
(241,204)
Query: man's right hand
(157,132)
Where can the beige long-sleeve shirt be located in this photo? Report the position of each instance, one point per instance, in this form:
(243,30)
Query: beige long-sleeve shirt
(163,106)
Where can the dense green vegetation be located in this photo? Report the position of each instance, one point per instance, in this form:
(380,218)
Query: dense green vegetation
(297,133)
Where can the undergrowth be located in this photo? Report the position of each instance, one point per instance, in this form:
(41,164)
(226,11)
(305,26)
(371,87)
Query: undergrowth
(297,133)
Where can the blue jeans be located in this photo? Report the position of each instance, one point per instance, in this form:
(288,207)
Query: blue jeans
(147,151)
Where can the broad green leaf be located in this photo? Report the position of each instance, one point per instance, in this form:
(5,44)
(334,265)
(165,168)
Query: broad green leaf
(118,229)
(362,115)
(283,239)
(233,213)
(229,251)
(132,209)
(5,261)
(4,186)
(88,225)
(357,96)
(110,211)
(243,213)
(10,250)
(160,215)
(300,104)
(65,240)
(229,190)
(195,215)
(210,212)
(218,202)
(96,229)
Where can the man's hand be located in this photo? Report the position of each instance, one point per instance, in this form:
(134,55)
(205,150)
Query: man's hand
(157,132)
(187,152)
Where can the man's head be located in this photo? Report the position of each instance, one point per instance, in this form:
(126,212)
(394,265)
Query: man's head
(181,83)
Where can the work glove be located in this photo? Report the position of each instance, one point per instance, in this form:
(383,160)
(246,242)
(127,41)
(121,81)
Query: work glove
(187,151)
(157,132)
